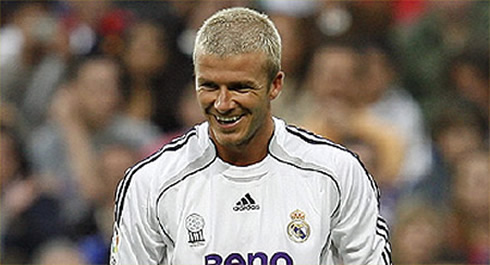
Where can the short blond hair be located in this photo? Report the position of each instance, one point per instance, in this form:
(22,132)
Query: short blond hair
(240,30)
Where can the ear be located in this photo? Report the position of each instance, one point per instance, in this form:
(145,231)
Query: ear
(276,85)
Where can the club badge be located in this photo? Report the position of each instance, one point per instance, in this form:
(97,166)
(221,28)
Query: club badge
(298,228)
(194,223)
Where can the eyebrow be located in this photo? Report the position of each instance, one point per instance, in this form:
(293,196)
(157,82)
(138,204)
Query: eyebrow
(246,83)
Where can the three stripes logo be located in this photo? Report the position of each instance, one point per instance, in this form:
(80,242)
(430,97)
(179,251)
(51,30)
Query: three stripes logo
(246,203)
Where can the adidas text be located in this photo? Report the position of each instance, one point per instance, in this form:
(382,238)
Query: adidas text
(246,207)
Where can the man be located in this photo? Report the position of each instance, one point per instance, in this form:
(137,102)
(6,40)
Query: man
(243,187)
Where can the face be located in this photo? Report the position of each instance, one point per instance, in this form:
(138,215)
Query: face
(469,82)
(471,184)
(418,241)
(146,53)
(235,93)
(458,140)
(98,91)
(333,74)
(379,75)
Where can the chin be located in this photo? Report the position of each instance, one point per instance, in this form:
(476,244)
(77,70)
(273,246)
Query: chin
(229,140)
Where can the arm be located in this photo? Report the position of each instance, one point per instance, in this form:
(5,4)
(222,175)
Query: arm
(81,156)
(359,233)
(389,144)
(137,238)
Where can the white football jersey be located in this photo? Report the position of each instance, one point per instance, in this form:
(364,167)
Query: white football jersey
(310,201)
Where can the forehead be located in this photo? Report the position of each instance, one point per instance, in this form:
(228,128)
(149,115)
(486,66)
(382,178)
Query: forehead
(97,68)
(211,66)
(335,56)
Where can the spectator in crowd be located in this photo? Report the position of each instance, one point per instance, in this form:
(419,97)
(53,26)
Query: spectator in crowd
(112,161)
(426,46)
(468,74)
(468,231)
(390,102)
(295,31)
(145,57)
(29,217)
(337,112)
(418,234)
(455,132)
(295,21)
(85,117)
(171,15)
(152,82)
(189,114)
(87,24)
(34,52)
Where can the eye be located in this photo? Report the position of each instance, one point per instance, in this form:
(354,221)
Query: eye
(241,88)
(209,86)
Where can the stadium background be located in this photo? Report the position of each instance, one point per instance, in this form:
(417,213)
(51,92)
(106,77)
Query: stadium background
(402,83)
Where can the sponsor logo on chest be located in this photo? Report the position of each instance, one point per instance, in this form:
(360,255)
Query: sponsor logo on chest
(249,258)
(246,203)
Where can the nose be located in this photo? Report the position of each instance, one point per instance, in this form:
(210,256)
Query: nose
(224,100)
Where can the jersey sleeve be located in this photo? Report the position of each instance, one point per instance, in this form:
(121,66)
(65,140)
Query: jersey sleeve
(136,238)
(359,233)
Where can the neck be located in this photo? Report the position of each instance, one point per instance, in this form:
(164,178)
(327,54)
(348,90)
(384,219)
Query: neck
(250,152)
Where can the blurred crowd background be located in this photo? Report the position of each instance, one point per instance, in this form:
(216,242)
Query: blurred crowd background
(89,88)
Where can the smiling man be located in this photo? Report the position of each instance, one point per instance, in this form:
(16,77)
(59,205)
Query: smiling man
(245,187)
(235,93)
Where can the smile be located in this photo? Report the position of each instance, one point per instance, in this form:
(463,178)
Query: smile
(228,120)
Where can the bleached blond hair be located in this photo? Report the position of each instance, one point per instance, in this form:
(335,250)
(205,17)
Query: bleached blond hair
(240,30)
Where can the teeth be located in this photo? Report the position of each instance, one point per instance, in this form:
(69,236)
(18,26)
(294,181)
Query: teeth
(228,119)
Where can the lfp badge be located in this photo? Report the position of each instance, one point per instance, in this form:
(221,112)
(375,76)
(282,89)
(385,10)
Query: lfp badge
(298,228)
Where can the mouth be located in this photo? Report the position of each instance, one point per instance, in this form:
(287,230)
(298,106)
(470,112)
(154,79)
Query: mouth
(228,121)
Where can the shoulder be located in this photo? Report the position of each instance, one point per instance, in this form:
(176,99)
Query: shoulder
(302,147)
(310,147)
(398,99)
(143,180)
(135,131)
(174,155)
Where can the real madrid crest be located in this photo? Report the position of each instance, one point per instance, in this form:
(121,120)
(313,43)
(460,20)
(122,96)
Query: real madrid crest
(298,228)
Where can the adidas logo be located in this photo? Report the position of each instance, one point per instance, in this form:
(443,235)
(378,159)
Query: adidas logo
(246,203)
